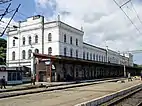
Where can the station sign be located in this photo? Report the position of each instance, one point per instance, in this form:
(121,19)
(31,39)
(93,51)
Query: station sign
(47,61)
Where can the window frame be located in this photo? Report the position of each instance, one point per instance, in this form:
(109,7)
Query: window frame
(23,54)
(49,50)
(49,37)
(13,42)
(65,38)
(65,51)
(36,38)
(36,51)
(13,55)
(71,40)
(71,52)
(29,53)
(24,40)
(30,40)
(76,53)
(76,42)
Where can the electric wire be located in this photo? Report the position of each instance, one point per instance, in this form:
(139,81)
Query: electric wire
(136,12)
(128,17)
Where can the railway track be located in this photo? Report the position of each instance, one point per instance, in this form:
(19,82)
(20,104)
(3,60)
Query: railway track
(133,98)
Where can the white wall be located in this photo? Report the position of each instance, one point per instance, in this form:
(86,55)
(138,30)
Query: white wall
(94,51)
(54,44)
(75,34)
(32,27)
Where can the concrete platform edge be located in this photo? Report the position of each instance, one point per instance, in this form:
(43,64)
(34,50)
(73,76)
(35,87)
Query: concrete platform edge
(100,100)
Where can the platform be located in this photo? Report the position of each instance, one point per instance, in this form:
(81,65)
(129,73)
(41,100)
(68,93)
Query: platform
(68,97)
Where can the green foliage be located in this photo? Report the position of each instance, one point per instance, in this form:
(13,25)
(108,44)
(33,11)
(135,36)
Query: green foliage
(3,44)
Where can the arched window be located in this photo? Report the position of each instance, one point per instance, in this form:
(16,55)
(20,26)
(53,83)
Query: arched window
(71,50)
(93,56)
(76,53)
(83,55)
(49,51)
(29,54)
(76,42)
(30,40)
(71,40)
(36,51)
(99,58)
(65,38)
(102,58)
(23,54)
(13,55)
(36,39)
(65,51)
(90,56)
(49,37)
(87,55)
(23,40)
(96,57)
(14,42)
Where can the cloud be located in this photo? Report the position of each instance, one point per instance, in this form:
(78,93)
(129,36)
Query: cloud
(104,23)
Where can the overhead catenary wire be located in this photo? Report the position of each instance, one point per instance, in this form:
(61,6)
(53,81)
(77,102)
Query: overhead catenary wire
(11,19)
(127,17)
(5,12)
(136,12)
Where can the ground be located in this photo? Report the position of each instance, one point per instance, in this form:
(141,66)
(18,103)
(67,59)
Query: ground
(68,97)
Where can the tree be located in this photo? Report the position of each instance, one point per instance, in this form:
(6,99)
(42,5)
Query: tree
(3,44)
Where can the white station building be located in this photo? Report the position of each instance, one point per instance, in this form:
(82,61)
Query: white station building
(57,39)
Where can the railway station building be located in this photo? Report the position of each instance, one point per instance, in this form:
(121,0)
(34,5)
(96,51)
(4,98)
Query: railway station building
(62,45)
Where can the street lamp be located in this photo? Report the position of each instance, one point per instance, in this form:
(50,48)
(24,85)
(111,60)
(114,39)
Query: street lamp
(32,65)
(13,26)
(18,31)
(124,64)
(19,48)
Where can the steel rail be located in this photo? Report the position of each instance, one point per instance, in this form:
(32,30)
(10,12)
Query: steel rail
(113,102)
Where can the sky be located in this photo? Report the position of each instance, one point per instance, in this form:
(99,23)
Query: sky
(103,22)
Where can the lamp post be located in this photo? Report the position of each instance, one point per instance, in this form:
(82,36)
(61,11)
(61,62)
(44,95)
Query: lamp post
(18,38)
(124,64)
(32,66)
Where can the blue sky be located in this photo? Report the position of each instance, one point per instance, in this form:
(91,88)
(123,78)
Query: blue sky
(27,8)
(100,15)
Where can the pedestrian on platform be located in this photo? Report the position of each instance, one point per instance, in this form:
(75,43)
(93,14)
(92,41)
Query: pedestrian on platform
(129,77)
(33,80)
(3,82)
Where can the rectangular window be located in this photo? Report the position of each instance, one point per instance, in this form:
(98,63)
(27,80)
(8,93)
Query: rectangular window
(65,51)
(76,42)
(83,55)
(87,55)
(13,76)
(13,42)
(71,40)
(9,76)
(19,77)
(65,39)
(76,53)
